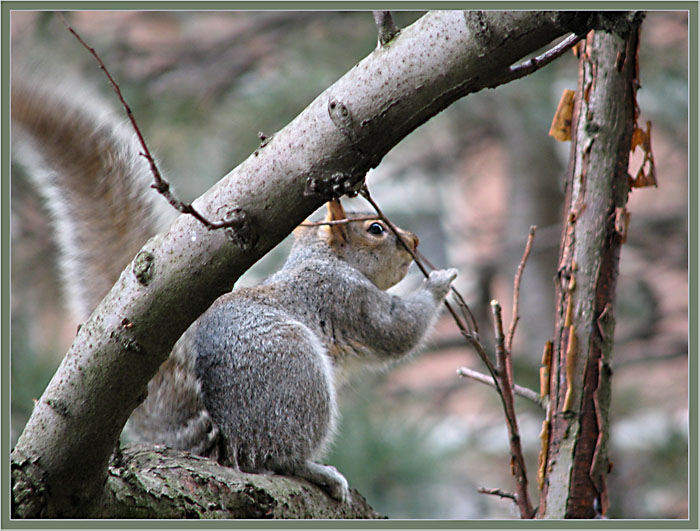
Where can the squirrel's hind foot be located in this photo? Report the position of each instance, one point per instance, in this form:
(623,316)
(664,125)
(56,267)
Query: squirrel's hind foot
(327,477)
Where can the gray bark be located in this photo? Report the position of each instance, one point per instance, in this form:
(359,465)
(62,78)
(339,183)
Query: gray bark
(59,466)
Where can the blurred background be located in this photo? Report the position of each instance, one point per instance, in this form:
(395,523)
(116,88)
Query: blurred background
(417,441)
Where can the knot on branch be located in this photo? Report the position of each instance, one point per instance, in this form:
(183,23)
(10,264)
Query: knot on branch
(161,186)
(342,118)
(238,227)
(143,267)
(479,27)
(59,405)
(335,186)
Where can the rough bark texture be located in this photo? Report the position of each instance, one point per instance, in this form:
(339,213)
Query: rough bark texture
(597,190)
(156,482)
(60,461)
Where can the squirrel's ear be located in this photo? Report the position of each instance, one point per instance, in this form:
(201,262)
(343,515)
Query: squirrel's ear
(335,233)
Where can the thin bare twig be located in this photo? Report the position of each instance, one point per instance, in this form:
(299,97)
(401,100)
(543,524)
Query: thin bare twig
(516,289)
(497,492)
(386,28)
(519,390)
(464,329)
(501,378)
(160,184)
(337,221)
(535,63)
(505,374)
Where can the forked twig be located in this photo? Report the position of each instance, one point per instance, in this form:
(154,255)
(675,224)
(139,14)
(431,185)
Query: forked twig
(505,374)
(160,184)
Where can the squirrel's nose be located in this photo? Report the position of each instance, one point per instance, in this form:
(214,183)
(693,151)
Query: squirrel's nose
(415,241)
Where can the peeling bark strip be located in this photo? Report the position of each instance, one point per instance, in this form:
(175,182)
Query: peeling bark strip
(597,187)
(442,57)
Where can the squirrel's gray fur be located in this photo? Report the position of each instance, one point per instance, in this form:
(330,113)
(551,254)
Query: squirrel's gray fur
(252,383)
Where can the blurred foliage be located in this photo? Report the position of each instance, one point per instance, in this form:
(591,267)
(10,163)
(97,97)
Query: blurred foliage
(30,372)
(416,442)
(390,457)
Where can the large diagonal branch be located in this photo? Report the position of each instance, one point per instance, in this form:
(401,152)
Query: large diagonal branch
(61,457)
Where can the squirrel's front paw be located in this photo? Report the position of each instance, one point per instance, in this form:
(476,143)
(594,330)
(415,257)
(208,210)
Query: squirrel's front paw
(440,281)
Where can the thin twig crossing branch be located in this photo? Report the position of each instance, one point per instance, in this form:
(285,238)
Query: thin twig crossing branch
(160,184)
(337,221)
(465,329)
(519,390)
(501,374)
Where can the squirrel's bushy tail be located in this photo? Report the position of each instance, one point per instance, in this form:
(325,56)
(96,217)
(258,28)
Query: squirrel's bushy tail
(85,161)
(94,182)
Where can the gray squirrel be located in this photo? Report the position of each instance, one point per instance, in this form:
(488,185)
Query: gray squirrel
(253,381)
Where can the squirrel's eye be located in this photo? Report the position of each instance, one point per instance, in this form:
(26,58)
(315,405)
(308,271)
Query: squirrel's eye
(375,228)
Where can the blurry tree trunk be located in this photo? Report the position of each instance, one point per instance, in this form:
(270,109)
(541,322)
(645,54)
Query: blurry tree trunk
(534,198)
(576,467)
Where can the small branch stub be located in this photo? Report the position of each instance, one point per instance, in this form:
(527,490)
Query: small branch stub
(497,492)
(335,186)
(535,63)
(239,228)
(386,28)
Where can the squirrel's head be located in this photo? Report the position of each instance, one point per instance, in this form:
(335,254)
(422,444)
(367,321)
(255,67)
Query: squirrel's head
(368,244)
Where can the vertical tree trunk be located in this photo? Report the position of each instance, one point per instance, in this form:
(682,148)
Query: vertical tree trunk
(573,478)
